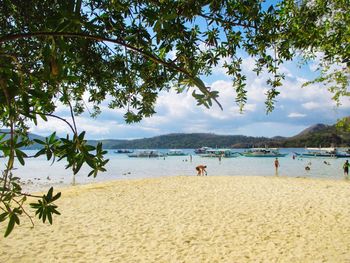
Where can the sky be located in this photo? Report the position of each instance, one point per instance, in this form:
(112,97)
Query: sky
(296,108)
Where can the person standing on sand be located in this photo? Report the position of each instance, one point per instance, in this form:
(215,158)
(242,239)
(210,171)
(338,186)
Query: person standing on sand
(201,170)
(277,164)
(346,168)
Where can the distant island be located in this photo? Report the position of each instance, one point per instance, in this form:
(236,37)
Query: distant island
(314,136)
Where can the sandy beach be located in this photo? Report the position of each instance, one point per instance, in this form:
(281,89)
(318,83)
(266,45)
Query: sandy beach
(192,219)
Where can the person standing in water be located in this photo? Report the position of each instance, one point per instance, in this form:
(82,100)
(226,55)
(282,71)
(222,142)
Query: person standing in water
(346,169)
(277,164)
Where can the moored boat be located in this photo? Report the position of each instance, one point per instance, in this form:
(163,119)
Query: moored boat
(146,154)
(225,153)
(176,152)
(264,152)
(329,152)
(202,150)
(123,151)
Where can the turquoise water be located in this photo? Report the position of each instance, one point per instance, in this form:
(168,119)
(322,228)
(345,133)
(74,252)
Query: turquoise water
(40,174)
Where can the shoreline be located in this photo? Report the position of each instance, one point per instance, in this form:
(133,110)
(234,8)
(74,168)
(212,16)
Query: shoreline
(61,187)
(191,219)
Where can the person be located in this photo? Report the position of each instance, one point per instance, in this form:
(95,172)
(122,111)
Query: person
(277,164)
(346,168)
(201,170)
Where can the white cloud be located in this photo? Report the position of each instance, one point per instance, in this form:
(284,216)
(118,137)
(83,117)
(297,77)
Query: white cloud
(311,105)
(296,115)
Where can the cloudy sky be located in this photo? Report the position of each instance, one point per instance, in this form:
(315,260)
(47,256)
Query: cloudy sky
(296,109)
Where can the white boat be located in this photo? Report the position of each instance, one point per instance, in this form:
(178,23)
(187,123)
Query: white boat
(176,152)
(264,152)
(146,154)
(329,152)
(225,153)
(202,150)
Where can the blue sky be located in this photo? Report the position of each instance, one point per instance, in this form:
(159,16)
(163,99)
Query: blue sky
(296,108)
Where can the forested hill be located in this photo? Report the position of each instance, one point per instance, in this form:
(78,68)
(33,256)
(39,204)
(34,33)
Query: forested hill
(185,140)
(314,136)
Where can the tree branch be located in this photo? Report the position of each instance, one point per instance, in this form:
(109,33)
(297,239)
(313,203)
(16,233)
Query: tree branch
(55,116)
(225,22)
(101,39)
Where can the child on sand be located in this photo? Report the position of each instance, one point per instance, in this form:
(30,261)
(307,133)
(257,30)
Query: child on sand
(201,170)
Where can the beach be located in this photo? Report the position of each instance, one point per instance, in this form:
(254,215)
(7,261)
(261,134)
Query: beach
(191,219)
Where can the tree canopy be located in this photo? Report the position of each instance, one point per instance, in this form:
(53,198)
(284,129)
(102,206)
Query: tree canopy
(126,52)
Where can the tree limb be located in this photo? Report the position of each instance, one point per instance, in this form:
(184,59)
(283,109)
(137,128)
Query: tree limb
(101,38)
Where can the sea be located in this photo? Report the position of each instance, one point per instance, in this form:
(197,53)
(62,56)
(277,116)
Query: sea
(38,174)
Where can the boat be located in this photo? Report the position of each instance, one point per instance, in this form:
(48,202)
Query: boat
(264,152)
(225,153)
(123,151)
(146,154)
(329,152)
(202,150)
(176,152)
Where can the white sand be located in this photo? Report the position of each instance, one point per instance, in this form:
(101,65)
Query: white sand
(192,219)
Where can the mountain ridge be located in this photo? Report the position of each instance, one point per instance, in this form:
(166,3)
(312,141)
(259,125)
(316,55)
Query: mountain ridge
(314,136)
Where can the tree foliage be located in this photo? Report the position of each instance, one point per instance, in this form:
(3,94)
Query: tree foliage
(321,29)
(60,52)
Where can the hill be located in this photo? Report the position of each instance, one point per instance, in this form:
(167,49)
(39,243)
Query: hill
(32,136)
(183,140)
(314,136)
(319,135)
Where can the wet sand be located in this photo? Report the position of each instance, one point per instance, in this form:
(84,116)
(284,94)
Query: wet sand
(192,219)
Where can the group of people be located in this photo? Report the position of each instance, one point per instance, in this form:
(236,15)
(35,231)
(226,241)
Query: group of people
(307,168)
(201,169)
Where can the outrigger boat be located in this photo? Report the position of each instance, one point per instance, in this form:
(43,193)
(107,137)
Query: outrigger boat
(123,151)
(225,153)
(329,152)
(202,150)
(264,152)
(176,152)
(146,154)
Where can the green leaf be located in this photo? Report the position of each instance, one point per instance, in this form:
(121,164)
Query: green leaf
(10,225)
(41,152)
(19,156)
(3,216)
(39,141)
